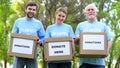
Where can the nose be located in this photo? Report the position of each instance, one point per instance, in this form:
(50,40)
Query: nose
(61,17)
(90,10)
(31,10)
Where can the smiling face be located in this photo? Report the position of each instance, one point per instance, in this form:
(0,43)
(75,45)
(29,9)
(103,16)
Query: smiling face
(91,12)
(60,17)
(30,11)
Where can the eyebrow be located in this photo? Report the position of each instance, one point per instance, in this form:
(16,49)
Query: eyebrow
(31,8)
(91,9)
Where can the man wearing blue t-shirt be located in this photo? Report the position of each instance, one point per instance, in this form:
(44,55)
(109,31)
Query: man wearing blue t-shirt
(92,25)
(28,26)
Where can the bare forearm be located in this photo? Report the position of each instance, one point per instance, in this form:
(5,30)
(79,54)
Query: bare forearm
(109,44)
(77,40)
(73,46)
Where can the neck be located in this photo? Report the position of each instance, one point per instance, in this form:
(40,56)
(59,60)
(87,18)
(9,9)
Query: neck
(59,22)
(29,18)
(92,20)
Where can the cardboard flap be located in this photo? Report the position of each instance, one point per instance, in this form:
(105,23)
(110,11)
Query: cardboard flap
(24,36)
(58,39)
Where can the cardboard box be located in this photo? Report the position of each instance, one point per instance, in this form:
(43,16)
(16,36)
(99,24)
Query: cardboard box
(23,45)
(93,45)
(58,49)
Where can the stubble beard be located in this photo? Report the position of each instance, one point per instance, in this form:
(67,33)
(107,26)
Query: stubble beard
(30,16)
(91,17)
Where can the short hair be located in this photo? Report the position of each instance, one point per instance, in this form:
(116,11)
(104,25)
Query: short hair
(31,3)
(61,9)
(93,5)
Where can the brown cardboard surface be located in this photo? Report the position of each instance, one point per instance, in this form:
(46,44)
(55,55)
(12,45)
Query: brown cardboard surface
(29,37)
(93,53)
(55,58)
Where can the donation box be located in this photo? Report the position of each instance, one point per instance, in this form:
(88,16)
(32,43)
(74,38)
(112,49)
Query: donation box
(58,49)
(93,45)
(23,45)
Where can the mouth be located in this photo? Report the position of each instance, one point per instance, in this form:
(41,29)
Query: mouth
(91,16)
(30,15)
(60,20)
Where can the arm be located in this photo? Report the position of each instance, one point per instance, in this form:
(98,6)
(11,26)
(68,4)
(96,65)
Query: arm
(72,42)
(41,35)
(77,33)
(73,48)
(108,37)
(109,45)
(77,39)
(15,29)
(47,35)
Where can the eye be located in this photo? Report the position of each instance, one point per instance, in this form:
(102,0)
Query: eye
(31,9)
(34,9)
(61,16)
(90,9)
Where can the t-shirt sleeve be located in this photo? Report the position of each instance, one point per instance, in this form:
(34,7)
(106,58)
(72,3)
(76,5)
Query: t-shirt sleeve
(47,34)
(72,33)
(106,30)
(41,33)
(15,27)
(77,32)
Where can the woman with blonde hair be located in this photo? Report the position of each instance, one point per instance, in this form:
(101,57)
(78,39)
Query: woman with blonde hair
(59,29)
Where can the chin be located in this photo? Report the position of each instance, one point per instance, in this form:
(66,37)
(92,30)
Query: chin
(59,23)
(30,16)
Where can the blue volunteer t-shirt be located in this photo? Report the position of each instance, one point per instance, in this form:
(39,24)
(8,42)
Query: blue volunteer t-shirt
(92,27)
(29,27)
(59,30)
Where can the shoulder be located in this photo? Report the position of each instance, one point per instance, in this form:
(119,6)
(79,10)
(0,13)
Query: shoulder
(101,24)
(20,19)
(51,26)
(82,23)
(67,25)
(38,22)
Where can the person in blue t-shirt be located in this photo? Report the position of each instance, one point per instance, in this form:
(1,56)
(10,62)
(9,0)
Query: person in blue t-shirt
(28,26)
(92,25)
(60,29)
